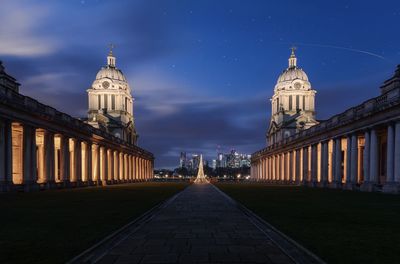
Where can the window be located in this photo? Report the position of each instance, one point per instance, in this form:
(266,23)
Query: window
(105,101)
(290,102)
(304,103)
(297,102)
(99,101)
(277,104)
(126,104)
(113,102)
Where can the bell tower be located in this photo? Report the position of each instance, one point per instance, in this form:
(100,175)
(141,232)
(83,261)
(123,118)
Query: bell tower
(111,102)
(293,103)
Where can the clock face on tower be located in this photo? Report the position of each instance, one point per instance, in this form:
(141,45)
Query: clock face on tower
(297,85)
(106,84)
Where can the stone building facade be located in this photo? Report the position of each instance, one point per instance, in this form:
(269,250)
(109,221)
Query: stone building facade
(41,147)
(358,149)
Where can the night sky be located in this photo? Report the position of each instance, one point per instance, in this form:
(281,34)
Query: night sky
(202,72)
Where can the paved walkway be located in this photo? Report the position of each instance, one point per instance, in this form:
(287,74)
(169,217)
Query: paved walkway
(200,226)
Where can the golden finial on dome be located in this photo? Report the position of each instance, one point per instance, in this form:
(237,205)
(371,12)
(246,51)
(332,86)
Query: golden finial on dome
(112,46)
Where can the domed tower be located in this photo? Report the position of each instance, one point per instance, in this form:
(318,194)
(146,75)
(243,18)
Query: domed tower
(111,102)
(293,103)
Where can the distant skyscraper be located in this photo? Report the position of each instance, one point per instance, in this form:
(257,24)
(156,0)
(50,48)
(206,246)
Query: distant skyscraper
(183,161)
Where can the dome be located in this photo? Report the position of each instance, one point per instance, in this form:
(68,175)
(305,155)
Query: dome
(291,74)
(111,73)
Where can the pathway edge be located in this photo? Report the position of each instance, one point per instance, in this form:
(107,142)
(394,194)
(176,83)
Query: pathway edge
(298,253)
(101,248)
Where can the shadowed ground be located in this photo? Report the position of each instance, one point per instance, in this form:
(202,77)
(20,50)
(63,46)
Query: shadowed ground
(54,226)
(339,226)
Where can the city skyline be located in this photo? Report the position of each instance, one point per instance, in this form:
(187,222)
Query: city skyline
(162,57)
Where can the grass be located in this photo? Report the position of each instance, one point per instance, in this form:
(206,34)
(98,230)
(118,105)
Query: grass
(339,226)
(54,226)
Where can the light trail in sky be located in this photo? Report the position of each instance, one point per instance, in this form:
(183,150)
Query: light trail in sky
(343,48)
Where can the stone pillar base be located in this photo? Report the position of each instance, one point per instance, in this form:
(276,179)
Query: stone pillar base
(29,187)
(323,184)
(367,187)
(391,187)
(335,185)
(51,185)
(312,184)
(6,186)
(65,184)
(349,186)
(90,183)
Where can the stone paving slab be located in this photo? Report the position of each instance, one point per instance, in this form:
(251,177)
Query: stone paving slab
(200,225)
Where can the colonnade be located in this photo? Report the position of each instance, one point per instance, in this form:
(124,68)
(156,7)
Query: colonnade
(33,157)
(367,159)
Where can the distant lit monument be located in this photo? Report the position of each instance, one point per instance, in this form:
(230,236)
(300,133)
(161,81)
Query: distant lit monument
(200,174)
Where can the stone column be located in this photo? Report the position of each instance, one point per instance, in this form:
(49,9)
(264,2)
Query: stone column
(291,166)
(273,168)
(147,170)
(78,162)
(49,159)
(96,164)
(277,168)
(135,169)
(121,167)
(366,156)
(106,166)
(354,160)
(390,155)
(110,156)
(337,176)
(324,163)
(269,169)
(297,167)
(64,161)
(125,168)
(348,162)
(5,155)
(390,185)
(142,169)
(29,158)
(89,169)
(305,165)
(283,168)
(374,158)
(371,165)
(397,154)
(116,166)
(314,165)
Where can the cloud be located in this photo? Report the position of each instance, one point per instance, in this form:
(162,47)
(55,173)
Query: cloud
(19,24)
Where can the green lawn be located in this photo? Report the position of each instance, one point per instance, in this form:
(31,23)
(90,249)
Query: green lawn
(54,226)
(339,226)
